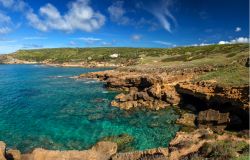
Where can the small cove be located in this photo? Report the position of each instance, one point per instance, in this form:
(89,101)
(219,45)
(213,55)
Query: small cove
(42,106)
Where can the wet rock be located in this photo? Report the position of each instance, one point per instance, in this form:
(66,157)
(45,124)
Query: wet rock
(13,154)
(2,150)
(213,119)
(187,119)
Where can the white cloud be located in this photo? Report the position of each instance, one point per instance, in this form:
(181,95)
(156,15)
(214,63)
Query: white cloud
(162,43)
(223,42)
(237,29)
(136,37)
(204,44)
(117,13)
(236,40)
(80,16)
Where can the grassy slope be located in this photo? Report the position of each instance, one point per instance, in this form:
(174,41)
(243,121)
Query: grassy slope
(102,54)
(147,58)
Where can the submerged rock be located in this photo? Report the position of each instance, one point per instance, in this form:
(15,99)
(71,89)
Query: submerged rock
(123,141)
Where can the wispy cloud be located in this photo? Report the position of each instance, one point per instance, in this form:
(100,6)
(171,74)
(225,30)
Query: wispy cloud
(17,5)
(161,10)
(118,13)
(34,38)
(4,18)
(163,43)
(31,46)
(5,24)
(72,43)
(5,30)
(6,40)
(136,37)
(89,40)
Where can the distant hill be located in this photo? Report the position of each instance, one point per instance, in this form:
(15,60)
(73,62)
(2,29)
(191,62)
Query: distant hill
(128,55)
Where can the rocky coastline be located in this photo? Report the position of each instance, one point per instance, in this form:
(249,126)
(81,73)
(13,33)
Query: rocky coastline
(214,118)
(205,106)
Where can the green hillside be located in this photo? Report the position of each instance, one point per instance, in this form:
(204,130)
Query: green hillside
(135,55)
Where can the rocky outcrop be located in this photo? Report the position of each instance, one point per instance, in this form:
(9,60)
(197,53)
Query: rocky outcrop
(175,88)
(213,119)
(212,93)
(187,119)
(101,151)
(143,90)
(209,95)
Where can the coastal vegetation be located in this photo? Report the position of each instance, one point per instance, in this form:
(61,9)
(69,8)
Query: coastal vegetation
(143,55)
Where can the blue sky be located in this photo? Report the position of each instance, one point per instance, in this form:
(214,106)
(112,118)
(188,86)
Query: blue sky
(26,24)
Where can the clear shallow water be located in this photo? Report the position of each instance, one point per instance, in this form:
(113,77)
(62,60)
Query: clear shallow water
(43,107)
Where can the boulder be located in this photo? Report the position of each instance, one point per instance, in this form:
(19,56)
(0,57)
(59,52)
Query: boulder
(2,150)
(187,119)
(213,119)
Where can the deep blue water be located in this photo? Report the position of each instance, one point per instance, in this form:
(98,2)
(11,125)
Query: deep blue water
(42,106)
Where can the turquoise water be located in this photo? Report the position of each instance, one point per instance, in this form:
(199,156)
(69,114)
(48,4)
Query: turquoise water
(43,107)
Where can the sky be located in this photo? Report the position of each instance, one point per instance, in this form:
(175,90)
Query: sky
(31,24)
